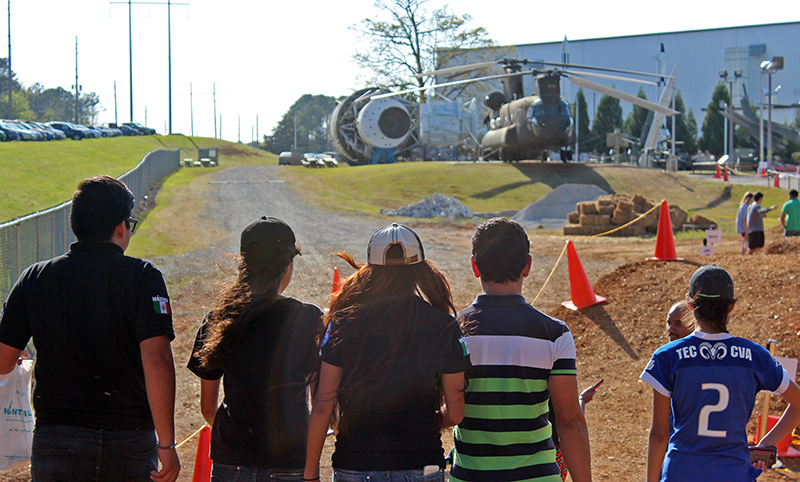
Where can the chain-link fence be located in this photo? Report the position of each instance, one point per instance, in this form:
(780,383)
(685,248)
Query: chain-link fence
(46,234)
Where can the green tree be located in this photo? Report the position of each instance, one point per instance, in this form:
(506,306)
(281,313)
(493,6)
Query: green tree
(607,118)
(310,115)
(406,39)
(582,121)
(685,126)
(714,124)
(636,119)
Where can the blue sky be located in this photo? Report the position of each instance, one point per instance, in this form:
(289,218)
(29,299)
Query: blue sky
(262,56)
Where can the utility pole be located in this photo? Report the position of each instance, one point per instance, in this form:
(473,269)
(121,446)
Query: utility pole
(77,86)
(214,98)
(115,103)
(240,128)
(10,105)
(191,107)
(169,51)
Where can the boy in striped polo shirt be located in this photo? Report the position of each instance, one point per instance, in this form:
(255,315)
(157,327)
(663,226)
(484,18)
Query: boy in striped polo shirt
(521,358)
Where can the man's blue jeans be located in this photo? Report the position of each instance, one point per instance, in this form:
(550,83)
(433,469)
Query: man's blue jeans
(62,453)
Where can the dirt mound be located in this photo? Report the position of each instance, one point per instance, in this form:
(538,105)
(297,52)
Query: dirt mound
(783,246)
(234,150)
(615,340)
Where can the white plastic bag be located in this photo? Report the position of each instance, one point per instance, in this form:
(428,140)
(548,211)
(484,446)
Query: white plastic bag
(16,417)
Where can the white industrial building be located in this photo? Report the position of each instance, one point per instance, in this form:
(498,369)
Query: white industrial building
(701,55)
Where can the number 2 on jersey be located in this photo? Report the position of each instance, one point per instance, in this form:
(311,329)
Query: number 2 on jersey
(702,424)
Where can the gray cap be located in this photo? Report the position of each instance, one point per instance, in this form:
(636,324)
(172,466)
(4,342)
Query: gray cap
(395,234)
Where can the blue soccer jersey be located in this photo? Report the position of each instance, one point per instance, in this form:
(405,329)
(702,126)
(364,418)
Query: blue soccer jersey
(712,380)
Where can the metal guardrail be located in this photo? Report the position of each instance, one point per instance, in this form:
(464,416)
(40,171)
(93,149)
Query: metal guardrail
(45,234)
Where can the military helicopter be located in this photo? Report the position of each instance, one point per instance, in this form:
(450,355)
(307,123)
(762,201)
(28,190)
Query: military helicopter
(529,127)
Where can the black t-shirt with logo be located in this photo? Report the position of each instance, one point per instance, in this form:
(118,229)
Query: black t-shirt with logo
(87,312)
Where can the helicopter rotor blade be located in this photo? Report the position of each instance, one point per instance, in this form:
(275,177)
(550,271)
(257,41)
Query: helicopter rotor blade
(609,77)
(459,68)
(581,82)
(448,84)
(619,71)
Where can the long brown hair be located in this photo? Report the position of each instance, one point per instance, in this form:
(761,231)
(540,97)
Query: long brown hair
(380,290)
(239,304)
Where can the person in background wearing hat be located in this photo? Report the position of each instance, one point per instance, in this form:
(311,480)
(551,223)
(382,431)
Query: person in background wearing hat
(741,219)
(102,325)
(521,359)
(709,381)
(790,215)
(755,223)
(263,346)
(392,367)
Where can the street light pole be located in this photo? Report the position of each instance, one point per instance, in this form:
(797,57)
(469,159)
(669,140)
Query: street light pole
(770,67)
(729,149)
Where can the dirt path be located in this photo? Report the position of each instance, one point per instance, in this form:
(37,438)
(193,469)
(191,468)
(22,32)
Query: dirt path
(614,340)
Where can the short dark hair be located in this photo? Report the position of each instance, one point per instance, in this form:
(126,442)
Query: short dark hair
(99,204)
(793,193)
(757,196)
(500,247)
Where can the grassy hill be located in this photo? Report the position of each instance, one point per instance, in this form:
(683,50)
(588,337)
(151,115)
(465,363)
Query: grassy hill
(39,175)
(491,187)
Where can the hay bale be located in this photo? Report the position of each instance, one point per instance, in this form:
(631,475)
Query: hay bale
(606,209)
(586,207)
(625,205)
(595,219)
(572,230)
(574,218)
(621,217)
(605,201)
(632,230)
(638,199)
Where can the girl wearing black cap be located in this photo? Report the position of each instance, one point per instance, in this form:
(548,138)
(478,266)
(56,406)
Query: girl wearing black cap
(263,346)
(709,381)
(389,360)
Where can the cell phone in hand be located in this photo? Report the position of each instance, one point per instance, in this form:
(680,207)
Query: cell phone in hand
(597,384)
(769,454)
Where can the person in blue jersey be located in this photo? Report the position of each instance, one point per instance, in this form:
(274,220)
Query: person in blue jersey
(392,367)
(709,381)
(521,359)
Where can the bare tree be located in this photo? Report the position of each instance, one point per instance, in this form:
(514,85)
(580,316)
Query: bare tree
(411,40)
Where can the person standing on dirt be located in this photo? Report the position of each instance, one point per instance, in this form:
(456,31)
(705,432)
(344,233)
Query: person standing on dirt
(521,359)
(741,219)
(263,346)
(755,223)
(708,381)
(790,215)
(102,326)
(389,361)
(679,323)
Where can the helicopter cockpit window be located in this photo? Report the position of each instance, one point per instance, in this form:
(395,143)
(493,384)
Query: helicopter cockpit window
(539,107)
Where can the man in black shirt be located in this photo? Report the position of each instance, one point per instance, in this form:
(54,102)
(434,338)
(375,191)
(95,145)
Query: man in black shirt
(102,327)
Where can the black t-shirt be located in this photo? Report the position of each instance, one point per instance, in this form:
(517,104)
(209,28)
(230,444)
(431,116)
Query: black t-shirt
(263,418)
(394,426)
(87,312)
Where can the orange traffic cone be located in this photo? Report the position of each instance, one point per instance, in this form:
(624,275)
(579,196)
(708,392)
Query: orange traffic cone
(337,282)
(665,244)
(725,177)
(202,463)
(716,176)
(579,287)
(763,172)
(777,180)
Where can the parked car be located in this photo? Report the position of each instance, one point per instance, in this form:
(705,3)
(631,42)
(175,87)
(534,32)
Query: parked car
(25,132)
(10,131)
(69,129)
(46,134)
(144,130)
(3,136)
(57,134)
(287,158)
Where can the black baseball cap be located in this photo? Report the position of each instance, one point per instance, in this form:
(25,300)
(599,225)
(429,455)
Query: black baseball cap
(395,234)
(266,238)
(711,281)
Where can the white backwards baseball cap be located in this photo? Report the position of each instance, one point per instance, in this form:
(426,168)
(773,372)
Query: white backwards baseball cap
(395,234)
